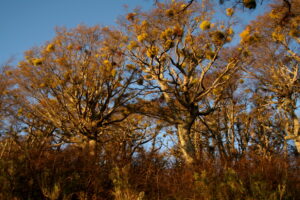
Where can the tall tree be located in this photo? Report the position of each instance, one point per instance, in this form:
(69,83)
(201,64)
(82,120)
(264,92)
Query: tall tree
(78,82)
(275,61)
(178,54)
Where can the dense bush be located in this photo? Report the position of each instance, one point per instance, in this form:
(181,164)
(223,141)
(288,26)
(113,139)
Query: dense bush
(72,173)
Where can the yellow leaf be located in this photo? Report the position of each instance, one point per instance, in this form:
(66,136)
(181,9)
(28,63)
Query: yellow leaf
(177,31)
(37,61)
(70,47)
(8,73)
(210,55)
(230,31)
(152,51)
(113,72)
(106,62)
(277,36)
(50,47)
(142,37)
(132,45)
(166,34)
(130,16)
(170,12)
(205,25)
(144,24)
(229,11)
(168,44)
(294,33)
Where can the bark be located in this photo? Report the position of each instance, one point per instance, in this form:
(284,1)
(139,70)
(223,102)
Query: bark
(294,135)
(185,143)
(297,144)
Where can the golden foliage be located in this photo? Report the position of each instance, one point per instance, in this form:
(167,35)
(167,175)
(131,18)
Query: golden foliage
(166,34)
(245,34)
(50,47)
(229,12)
(142,37)
(294,33)
(170,12)
(168,44)
(250,4)
(278,36)
(37,61)
(210,55)
(247,37)
(152,51)
(132,45)
(177,31)
(217,36)
(130,16)
(100,95)
(230,31)
(205,25)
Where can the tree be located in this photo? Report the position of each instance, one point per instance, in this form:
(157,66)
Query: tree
(5,101)
(89,115)
(178,53)
(250,4)
(78,82)
(275,62)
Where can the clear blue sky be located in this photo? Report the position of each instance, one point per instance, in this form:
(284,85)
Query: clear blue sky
(28,23)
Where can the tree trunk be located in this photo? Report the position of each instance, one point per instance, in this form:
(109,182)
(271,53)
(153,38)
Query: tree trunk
(185,143)
(294,134)
(297,144)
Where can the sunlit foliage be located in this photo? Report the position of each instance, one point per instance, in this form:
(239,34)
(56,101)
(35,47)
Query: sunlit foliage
(173,103)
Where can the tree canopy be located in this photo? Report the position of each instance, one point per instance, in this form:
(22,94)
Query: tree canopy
(163,106)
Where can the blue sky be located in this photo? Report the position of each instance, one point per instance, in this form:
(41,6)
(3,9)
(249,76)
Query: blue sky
(28,23)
